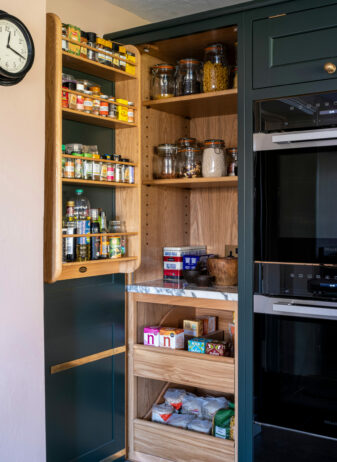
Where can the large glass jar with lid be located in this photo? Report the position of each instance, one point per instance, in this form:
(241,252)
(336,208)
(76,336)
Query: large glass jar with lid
(165,162)
(191,158)
(213,159)
(163,81)
(189,77)
(184,142)
(216,69)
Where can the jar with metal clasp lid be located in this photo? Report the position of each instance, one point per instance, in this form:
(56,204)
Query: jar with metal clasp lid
(189,77)
(165,161)
(163,81)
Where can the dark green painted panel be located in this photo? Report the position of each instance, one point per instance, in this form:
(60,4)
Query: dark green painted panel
(85,405)
(294,48)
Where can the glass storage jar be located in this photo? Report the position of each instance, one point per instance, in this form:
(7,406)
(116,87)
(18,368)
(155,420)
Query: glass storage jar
(213,159)
(189,78)
(154,71)
(183,143)
(232,169)
(163,82)
(216,68)
(164,161)
(191,162)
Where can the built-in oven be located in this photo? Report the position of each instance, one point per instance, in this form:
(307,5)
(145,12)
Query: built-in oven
(295,253)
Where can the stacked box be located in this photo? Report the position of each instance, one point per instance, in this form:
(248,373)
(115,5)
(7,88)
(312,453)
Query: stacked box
(209,323)
(193,328)
(173,260)
(171,337)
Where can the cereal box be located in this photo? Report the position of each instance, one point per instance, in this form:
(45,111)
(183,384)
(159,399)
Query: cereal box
(197,345)
(194,328)
(152,336)
(171,337)
(209,323)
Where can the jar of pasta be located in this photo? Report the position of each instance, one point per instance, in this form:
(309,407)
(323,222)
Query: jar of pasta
(216,68)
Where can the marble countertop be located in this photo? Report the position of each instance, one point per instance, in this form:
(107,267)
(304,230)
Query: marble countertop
(183,289)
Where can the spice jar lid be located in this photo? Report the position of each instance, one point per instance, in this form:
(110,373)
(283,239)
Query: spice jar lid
(130,103)
(232,150)
(104,96)
(215,143)
(111,99)
(189,61)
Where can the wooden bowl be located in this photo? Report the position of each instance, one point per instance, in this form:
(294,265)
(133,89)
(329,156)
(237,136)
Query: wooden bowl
(225,270)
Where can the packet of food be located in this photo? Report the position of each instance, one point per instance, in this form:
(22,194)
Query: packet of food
(161,412)
(224,422)
(211,405)
(192,405)
(180,420)
(174,397)
(200,425)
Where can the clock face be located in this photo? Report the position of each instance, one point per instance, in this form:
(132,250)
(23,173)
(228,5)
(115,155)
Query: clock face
(13,47)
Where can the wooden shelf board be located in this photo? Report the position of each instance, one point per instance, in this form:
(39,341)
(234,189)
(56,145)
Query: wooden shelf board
(106,184)
(184,367)
(188,183)
(96,267)
(160,440)
(94,68)
(200,105)
(92,119)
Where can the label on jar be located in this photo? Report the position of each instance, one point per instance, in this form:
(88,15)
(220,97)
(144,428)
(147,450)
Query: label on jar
(104,172)
(88,104)
(104,109)
(78,168)
(87,170)
(80,103)
(69,170)
(127,174)
(72,100)
(118,173)
(131,116)
(96,171)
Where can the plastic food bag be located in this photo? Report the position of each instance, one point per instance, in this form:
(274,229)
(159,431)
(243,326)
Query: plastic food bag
(180,420)
(174,397)
(161,413)
(192,405)
(224,423)
(212,405)
(200,425)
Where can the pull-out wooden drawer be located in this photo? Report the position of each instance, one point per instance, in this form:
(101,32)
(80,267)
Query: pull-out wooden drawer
(170,443)
(294,48)
(183,367)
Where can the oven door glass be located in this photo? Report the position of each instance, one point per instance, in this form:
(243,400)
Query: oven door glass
(296,373)
(295,205)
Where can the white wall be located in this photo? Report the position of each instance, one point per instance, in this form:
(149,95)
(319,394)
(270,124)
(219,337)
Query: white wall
(22,419)
(98,16)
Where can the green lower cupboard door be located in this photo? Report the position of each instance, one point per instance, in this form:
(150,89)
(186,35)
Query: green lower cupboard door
(295,48)
(85,369)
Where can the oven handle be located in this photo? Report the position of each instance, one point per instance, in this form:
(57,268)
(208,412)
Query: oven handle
(313,135)
(305,310)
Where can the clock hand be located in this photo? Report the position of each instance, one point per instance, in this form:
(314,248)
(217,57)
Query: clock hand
(14,51)
(9,38)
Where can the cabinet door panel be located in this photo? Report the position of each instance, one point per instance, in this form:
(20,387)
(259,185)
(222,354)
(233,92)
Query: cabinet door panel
(294,48)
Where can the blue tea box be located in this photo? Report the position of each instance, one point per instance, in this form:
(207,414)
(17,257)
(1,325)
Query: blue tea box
(197,345)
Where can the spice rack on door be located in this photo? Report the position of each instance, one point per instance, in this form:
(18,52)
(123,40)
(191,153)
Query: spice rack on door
(127,197)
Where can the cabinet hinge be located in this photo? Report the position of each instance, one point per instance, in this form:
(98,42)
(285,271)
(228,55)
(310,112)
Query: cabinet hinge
(277,15)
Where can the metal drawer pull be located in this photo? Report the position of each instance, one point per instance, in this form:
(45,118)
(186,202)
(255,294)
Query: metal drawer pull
(330,68)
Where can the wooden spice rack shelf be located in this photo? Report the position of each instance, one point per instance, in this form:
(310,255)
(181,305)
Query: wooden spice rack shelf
(71,156)
(99,235)
(95,267)
(108,184)
(93,119)
(199,105)
(191,183)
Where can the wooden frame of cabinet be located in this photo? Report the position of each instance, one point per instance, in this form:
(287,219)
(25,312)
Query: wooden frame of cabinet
(151,370)
(127,142)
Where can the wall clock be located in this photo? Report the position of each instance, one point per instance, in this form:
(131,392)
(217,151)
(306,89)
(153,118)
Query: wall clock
(16,50)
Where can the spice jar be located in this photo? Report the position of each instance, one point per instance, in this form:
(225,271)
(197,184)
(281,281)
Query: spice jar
(118,173)
(189,79)
(88,101)
(84,40)
(80,102)
(104,106)
(80,85)
(96,170)
(87,166)
(163,82)
(104,171)
(96,90)
(101,57)
(65,98)
(69,168)
(108,48)
(112,108)
(164,162)
(213,159)
(96,106)
(216,68)
(91,36)
(233,162)
(191,162)
(154,71)
(110,172)
(64,36)
(131,112)
(78,168)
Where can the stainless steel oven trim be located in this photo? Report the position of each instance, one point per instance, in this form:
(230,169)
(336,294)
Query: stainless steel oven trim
(316,309)
(294,140)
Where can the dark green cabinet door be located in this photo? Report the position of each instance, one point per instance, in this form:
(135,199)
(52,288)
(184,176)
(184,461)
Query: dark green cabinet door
(295,47)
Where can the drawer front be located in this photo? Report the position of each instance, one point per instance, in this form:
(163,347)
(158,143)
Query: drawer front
(294,48)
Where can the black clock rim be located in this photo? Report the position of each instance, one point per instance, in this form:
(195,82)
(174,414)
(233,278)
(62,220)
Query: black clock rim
(31,49)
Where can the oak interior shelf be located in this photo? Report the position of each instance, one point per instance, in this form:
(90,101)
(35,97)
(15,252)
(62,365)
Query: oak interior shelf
(106,184)
(184,367)
(189,183)
(94,68)
(91,268)
(200,105)
(170,442)
(93,119)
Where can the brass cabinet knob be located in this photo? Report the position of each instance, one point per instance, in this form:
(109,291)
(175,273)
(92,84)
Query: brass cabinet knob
(330,68)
